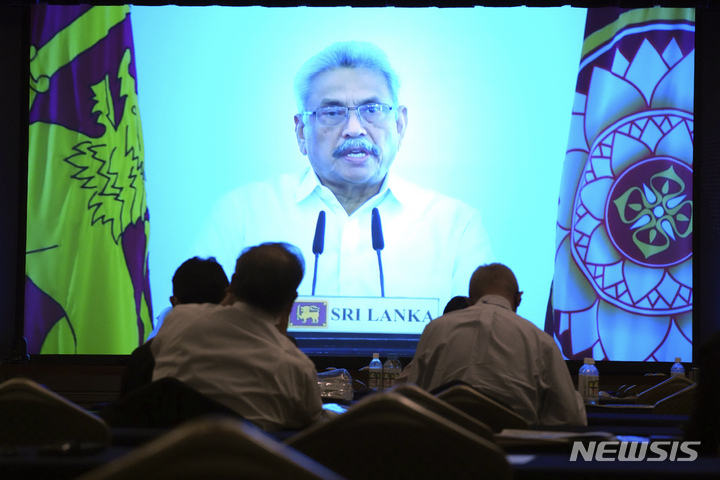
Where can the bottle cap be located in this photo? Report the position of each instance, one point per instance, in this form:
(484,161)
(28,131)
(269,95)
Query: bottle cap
(376,355)
(677,359)
(589,361)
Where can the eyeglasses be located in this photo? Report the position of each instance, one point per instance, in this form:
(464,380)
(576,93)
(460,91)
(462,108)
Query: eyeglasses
(336,115)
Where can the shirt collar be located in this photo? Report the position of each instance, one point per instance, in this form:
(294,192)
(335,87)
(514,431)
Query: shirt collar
(397,188)
(496,300)
(307,184)
(392,187)
(255,312)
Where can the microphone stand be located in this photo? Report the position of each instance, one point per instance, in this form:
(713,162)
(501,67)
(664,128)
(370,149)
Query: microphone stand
(318,245)
(378,245)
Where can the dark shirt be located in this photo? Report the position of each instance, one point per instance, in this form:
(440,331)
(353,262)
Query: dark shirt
(139,369)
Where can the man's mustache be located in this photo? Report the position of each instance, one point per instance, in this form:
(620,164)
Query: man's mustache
(361,144)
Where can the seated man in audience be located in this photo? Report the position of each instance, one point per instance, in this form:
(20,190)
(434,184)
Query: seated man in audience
(236,353)
(458,302)
(487,345)
(197,280)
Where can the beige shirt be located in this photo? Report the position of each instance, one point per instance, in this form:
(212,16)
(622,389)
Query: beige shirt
(236,355)
(503,355)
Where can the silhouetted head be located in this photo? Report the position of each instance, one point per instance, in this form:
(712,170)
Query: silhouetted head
(199,280)
(456,303)
(495,279)
(267,276)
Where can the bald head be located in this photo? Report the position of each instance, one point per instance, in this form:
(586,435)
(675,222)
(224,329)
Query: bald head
(494,279)
(267,276)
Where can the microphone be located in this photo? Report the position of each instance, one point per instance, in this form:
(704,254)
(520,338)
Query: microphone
(378,244)
(318,244)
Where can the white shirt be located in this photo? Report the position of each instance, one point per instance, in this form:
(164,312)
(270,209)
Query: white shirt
(236,355)
(433,243)
(503,355)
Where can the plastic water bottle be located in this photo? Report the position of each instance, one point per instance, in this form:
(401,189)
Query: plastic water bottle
(677,369)
(391,371)
(589,382)
(375,373)
(398,366)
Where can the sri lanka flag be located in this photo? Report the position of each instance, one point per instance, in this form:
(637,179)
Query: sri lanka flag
(622,288)
(87,287)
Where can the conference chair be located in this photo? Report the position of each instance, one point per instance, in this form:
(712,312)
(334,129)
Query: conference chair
(163,404)
(662,390)
(434,404)
(33,416)
(483,408)
(388,436)
(217,448)
(681,402)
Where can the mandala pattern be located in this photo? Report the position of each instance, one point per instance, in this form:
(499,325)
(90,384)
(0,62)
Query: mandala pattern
(639,217)
(653,224)
(623,281)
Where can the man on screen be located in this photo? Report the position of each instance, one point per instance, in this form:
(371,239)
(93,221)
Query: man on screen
(350,126)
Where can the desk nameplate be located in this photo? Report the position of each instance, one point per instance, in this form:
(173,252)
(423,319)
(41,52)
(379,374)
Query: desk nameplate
(363,314)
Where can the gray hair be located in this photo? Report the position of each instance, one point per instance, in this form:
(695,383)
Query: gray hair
(493,278)
(345,55)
